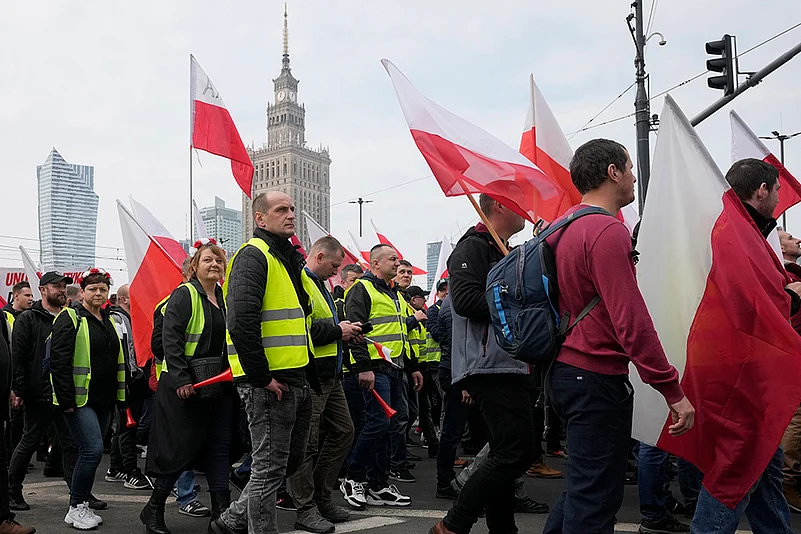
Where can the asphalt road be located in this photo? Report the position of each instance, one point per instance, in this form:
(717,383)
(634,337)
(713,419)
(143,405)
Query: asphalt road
(49,501)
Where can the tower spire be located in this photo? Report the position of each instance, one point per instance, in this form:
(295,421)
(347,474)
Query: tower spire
(285,60)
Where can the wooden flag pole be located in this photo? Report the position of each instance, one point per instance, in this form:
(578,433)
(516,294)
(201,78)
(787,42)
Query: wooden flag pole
(495,236)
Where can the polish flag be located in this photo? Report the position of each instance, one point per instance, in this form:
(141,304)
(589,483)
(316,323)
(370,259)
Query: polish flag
(416,271)
(315,232)
(715,291)
(298,245)
(32,272)
(746,144)
(545,144)
(154,260)
(213,129)
(362,245)
(384,352)
(442,269)
(466,159)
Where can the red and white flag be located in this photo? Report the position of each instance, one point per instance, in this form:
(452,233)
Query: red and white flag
(298,245)
(32,272)
(213,129)
(545,144)
(416,271)
(445,251)
(467,159)
(746,144)
(384,352)
(362,246)
(315,232)
(154,260)
(715,291)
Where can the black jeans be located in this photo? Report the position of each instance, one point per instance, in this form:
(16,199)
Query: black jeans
(13,431)
(452,429)
(38,416)
(507,405)
(5,511)
(124,457)
(598,411)
(429,404)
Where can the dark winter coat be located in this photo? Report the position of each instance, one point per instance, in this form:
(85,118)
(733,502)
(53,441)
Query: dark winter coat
(246,284)
(31,329)
(179,427)
(5,369)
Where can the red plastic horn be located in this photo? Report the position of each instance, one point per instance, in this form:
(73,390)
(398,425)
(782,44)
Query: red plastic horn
(129,420)
(387,408)
(225,376)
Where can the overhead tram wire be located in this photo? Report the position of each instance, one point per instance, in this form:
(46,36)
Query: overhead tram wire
(685,82)
(618,97)
(383,190)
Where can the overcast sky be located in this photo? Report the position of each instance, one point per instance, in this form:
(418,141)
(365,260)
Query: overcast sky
(107,84)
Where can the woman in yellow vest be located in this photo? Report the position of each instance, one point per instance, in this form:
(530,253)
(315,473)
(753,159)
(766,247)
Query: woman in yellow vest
(88,374)
(192,427)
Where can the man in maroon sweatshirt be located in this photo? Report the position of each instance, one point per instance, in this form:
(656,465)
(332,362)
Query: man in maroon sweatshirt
(589,383)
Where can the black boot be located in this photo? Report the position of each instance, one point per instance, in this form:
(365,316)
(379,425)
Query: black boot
(152,515)
(220,501)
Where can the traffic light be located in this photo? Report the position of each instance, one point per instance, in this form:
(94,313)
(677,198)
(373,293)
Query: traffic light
(727,81)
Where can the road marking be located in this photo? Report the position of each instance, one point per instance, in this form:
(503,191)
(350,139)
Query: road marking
(361,524)
(635,527)
(50,484)
(403,512)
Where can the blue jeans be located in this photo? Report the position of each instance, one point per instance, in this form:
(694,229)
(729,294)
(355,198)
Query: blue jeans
(353,394)
(400,399)
(185,487)
(87,425)
(244,468)
(598,411)
(369,462)
(764,506)
(689,483)
(652,482)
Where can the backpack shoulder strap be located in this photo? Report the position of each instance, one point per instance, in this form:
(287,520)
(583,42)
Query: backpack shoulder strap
(555,227)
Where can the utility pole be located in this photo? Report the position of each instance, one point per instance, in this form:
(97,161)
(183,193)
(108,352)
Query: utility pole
(781,138)
(641,104)
(360,202)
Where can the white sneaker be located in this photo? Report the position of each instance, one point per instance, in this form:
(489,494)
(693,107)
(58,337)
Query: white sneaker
(353,493)
(92,513)
(81,517)
(389,496)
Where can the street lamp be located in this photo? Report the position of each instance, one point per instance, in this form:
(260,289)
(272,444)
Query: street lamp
(360,201)
(781,138)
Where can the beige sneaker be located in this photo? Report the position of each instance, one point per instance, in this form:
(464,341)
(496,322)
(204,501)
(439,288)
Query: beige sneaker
(541,470)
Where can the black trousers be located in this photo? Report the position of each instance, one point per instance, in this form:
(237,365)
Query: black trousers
(13,431)
(507,405)
(38,416)
(5,512)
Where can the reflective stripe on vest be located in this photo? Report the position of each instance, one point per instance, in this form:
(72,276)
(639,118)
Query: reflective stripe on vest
(81,362)
(322,314)
(433,350)
(417,340)
(284,326)
(388,319)
(194,328)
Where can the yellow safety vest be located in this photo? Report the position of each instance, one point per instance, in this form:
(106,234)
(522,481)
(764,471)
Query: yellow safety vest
(161,307)
(322,313)
(10,322)
(194,328)
(388,319)
(284,326)
(81,362)
(433,350)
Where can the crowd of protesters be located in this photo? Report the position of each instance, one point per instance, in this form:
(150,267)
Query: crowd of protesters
(332,389)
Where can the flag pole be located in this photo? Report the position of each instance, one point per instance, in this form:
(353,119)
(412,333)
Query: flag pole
(191,205)
(483,216)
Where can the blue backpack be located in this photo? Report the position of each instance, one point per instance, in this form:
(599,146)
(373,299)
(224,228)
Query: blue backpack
(523,298)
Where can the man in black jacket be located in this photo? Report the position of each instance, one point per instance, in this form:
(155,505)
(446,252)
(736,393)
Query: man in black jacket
(277,401)
(7,523)
(31,385)
(312,483)
(369,458)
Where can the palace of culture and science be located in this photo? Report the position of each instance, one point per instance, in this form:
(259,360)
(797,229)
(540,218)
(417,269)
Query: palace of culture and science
(285,163)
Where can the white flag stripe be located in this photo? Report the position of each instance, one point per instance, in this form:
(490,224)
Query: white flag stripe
(744,142)
(685,190)
(201,86)
(550,137)
(134,236)
(202,233)
(424,114)
(31,271)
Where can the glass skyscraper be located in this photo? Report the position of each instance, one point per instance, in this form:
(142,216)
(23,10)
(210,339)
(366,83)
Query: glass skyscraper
(224,225)
(432,258)
(67,214)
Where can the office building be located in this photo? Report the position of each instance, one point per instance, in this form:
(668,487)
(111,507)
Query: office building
(224,225)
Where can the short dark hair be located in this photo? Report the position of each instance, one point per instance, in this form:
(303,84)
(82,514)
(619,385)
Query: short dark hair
(329,245)
(747,176)
(351,268)
(95,278)
(376,250)
(591,162)
(485,202)
(19,286)
(405,263)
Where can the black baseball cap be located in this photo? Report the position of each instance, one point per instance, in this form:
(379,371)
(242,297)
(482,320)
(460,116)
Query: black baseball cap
(416,291)
(54,277)
(441,283)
